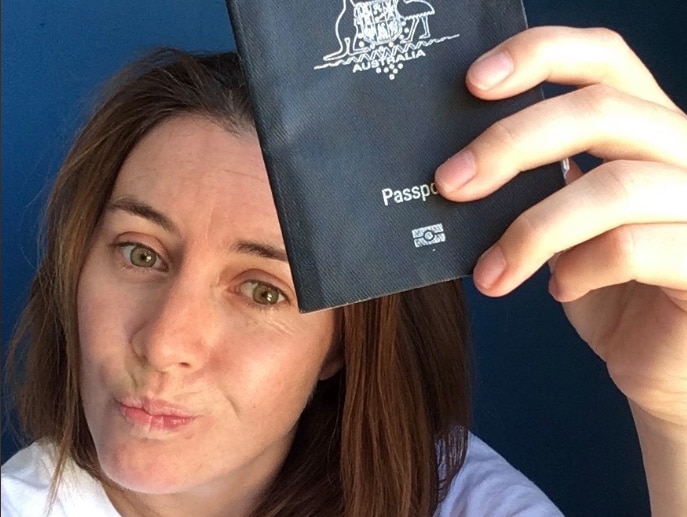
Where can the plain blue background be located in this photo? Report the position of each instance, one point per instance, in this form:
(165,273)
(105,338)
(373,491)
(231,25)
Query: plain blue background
(542,398)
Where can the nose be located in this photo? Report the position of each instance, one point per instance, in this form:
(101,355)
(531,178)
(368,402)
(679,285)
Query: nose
(175,330)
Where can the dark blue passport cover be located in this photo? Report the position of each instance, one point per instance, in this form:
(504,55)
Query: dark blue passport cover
(356,104)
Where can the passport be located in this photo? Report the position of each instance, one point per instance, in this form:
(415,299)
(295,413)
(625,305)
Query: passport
(356,104)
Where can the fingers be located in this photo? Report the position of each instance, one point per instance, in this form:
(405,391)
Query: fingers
(603,121)
(566,56)
(614,195)
(653,254)
(618,113)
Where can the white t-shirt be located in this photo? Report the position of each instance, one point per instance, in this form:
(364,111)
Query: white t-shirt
(485,486)
(488,486)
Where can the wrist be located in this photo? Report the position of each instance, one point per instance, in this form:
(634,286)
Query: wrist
(664,452)
(670,430)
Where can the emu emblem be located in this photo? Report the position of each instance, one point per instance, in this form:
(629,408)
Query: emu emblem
(381,35)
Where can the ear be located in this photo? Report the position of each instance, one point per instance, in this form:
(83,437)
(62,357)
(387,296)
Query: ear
(333,362)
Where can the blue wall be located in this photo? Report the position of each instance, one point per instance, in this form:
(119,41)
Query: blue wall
(543,399)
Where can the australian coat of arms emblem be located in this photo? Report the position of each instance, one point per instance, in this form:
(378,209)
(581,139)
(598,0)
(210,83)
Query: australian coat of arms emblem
(381,35)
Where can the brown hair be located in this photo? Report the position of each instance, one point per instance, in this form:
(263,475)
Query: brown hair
(383,437)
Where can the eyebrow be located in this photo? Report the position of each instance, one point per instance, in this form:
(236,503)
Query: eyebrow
(141,209)
(260,249)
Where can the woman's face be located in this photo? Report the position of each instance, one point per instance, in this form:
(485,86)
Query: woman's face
(196,363)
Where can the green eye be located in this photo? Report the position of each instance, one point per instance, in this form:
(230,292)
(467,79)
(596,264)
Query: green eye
(140,256)
(262,293)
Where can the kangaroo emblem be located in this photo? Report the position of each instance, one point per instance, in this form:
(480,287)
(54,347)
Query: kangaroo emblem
(381,34)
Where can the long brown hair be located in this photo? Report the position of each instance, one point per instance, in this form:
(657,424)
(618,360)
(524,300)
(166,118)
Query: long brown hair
(383,437)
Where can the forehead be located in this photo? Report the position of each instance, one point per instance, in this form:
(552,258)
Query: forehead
(195,171)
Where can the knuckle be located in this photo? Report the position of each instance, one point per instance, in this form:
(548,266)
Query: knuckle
(618,180)
(600,99)
(610,39)
(539,43)
(529,230)
(503,133)
(623,249)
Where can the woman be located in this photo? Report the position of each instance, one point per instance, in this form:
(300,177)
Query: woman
(170,372)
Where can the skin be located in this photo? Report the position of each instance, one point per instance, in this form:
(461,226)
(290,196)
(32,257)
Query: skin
(168,316)
(615,238)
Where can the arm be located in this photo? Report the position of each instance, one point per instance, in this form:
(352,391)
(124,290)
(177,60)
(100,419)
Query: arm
(615,238)
(664,450)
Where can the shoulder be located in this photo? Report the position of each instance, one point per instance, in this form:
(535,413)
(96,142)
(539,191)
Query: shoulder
(26,479)
(487,485)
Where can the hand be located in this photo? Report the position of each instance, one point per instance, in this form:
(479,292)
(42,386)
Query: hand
(616,237)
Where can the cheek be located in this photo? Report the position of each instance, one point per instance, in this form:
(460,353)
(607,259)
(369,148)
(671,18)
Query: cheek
(91,374)
(97,318)
(89,317)
(102,334)
(107,309)
(272,374)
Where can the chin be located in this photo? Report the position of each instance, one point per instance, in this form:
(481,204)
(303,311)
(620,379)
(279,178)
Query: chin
(157,482)
(147,471)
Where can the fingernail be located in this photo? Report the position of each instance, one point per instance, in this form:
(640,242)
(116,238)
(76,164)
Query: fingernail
(490,267)
(456,171)
(490,70)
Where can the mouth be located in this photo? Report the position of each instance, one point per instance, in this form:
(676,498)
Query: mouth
(154,414)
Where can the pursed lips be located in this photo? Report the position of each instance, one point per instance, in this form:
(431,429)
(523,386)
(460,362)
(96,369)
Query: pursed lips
(154,414)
